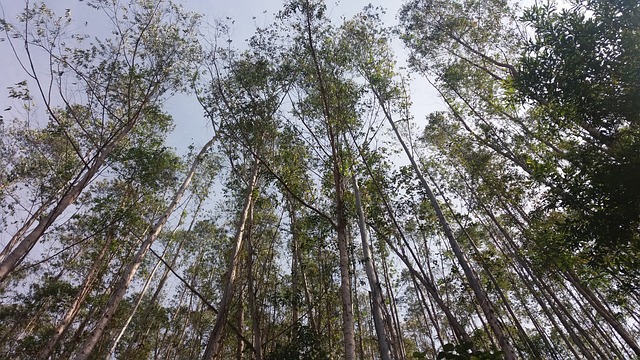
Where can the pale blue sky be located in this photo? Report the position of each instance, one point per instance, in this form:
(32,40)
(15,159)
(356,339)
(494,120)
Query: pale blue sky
(191,126)
(246,14)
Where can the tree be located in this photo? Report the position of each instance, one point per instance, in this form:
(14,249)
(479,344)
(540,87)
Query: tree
(580,73)
(330,100)
(491,242)
(485,70)
(121,79)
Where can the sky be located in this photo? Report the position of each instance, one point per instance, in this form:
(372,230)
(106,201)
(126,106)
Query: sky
(250,14)
(191,126)
(246,15)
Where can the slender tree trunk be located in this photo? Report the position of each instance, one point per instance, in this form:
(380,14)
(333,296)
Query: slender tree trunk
(253,303)
(15,257)
(345,283)
(522,333)
(532,281)
(549,309)
(132,267)
(570,323)
(295,256)
(374,284)
(567,307)
(483,299)
(176,325)
(457,328)
(312,310)
(113,347)
(240,344)
(603,340)
(77,335)
(427,314)
(215,338)
(534,320)
(397,345)
(602,311)
(18,235)
(510,240)
(341,220)
(73,310)
(163,280)
(357,310)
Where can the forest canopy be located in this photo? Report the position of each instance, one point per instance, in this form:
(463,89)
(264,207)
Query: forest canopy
(324,215)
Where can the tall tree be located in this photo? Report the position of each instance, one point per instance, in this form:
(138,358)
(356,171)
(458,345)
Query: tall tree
(380,80)
(121,79)
(584,62)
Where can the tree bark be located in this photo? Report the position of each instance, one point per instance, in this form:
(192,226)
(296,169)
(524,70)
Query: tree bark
(374,284)
(253,302)
(132,267)
(215,338)
(295,270)
(397,344)
(240,343)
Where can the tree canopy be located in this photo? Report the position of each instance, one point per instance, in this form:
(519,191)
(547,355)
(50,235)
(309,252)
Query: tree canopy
(325,215)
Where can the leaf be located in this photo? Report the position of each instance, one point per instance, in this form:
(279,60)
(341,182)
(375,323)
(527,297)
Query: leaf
(448,347)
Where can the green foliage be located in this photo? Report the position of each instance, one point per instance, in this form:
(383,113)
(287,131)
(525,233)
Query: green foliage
(31,314)
(582,71)
(465,351)
(538,159)
(144,159)
(306,346)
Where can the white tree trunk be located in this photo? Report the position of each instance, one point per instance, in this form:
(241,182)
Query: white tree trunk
(374,284)
(132,267)
(113,347)
(15,257)
(215,338)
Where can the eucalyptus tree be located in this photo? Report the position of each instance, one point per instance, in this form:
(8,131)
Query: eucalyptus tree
(326,102)
(327,109)
(119,82)
(560,139)
(242,100)
(87,251)
(377,301)
(486,68)
(376,64)
(187,305)
(178,251)
(341,106)
(490,190)
(132,266)
(103,127)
